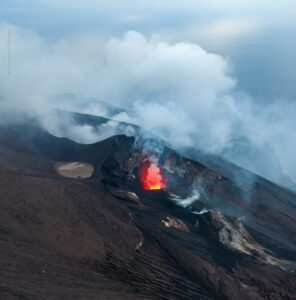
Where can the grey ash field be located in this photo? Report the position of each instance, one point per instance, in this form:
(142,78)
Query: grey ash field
(105,237)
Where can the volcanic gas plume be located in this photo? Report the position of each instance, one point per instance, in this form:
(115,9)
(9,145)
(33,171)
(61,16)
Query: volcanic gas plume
(152,177)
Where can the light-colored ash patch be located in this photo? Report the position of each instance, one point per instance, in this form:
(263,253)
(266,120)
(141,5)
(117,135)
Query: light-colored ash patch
(78,170)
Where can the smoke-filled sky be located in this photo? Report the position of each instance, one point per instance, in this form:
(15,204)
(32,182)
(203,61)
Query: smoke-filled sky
(216,77)
(258,36)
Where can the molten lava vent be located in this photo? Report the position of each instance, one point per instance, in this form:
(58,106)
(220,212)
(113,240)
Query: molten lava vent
(152,177)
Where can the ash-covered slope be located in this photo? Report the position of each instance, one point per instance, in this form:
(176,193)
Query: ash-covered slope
(107,238)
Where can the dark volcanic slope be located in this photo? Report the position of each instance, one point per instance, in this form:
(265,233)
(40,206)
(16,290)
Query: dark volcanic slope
(90,239)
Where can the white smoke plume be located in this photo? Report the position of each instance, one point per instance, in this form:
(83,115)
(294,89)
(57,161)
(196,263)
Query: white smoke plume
(186,202)
(180,92)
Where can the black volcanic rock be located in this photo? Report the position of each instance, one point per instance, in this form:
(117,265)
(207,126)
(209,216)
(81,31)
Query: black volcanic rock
(64,238)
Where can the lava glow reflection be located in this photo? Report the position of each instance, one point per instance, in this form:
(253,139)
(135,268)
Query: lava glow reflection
(152,177)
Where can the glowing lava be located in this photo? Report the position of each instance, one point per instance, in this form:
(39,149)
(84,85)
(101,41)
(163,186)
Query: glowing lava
(152,177)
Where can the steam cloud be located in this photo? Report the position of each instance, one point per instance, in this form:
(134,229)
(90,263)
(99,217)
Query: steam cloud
(180,92)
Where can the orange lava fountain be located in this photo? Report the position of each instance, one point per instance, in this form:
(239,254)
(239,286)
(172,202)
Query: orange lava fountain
(152,177)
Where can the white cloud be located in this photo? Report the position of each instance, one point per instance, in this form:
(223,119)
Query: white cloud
(229,28)
(177,90)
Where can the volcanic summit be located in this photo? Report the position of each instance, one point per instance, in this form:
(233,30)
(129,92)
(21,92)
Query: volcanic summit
(108,221)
